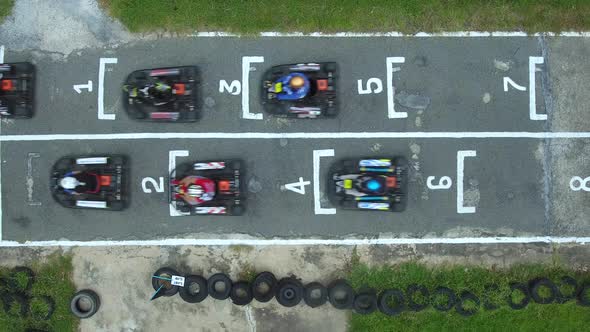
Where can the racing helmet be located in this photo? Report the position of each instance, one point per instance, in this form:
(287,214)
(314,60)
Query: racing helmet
(68,182)
(195,190)
(297,82)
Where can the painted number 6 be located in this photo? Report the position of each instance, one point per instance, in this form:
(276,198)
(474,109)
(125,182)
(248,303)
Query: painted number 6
(445,182)
(159,188)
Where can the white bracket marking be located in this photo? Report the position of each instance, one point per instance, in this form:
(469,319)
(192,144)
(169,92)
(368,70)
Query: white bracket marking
(391,113)
(101,69)
(317,205)
(1,53)
(508,80)
(78,87)
(246,61)
(171,166)
(461,155)
(533,61)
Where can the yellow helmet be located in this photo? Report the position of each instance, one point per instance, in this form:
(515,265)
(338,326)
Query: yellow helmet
(297,82)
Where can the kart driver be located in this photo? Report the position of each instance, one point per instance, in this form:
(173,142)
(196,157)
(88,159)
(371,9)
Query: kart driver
(364,185)
(194,189)
(291,87)
(160,92)
(77,182)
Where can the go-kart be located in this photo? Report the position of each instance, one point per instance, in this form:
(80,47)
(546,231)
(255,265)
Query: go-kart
(315,96)
(104,180)
(369,184)
(221,184)
(17,89)
(163,94)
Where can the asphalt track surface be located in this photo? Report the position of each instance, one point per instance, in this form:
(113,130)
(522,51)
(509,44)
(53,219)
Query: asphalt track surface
(507,186)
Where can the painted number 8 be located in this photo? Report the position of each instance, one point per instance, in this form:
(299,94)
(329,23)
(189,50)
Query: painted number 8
(577,183)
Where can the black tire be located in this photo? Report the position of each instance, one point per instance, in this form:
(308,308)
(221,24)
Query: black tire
(49,302)
(264,287)
(520,287)
(195,289)
(410,293)
(241,293)
(84,304)
(168,289)
(583,295)
(219,286)
(20,299)
(289,292)
(13,280)
(340,294)
(564,297)
(463,298)
(315,294)
(488,290)
(384,305)
(237,210)
(365,303)
(535,287)
(451,298)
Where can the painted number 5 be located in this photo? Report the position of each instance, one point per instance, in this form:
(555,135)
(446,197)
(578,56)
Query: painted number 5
(158,187)
(374,85)
(445,182)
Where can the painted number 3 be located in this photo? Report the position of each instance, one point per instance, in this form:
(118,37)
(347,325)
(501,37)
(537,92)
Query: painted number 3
(577,183)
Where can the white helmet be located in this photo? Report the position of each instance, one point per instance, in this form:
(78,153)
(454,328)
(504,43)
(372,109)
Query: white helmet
(69,182)
(195,190)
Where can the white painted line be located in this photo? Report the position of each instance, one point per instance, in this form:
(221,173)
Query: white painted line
(300,135)
(1,53)
(171,166)
(452,34)
(317,204)
(507,80)
(101,69)
(391,113)
(533,61)
(304,242)
(461,155)
(246,61)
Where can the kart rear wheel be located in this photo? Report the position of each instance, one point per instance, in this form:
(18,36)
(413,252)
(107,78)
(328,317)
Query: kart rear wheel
(237,210)
(331,67)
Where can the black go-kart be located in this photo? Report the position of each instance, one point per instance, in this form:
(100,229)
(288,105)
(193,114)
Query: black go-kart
(17,90)
(163,94)
(96,182)
(306,90)
(369,184)
(208,188)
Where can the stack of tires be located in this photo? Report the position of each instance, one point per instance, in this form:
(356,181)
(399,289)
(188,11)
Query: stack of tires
(290,292)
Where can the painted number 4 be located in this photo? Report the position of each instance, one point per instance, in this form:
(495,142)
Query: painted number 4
(297,187)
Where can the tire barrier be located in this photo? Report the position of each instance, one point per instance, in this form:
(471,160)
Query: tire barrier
(289,292)
(340,294)
(16,299)
(264,287)
(195,289)
(85,304)
(315,294)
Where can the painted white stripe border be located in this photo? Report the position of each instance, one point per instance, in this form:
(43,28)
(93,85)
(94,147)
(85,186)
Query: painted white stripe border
(584,34)
(295,135)
(304,242)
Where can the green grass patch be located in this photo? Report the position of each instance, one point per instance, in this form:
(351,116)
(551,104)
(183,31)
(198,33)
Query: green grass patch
(535,317)
(5,8)
(52,285)
(408,16)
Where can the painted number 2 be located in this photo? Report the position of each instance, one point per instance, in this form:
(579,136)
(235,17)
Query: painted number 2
(577,183)
(158,187)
